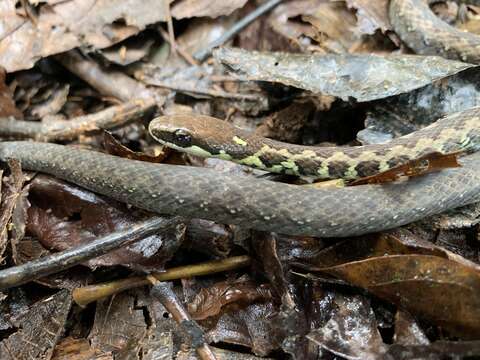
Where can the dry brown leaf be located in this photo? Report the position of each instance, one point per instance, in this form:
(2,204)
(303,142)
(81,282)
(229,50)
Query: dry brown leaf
(335,26)
(7,104)
(371,15)
(64,25)
(198,8)
(78,349)
(421,166)
(209,301)
(440,290)
(114,147)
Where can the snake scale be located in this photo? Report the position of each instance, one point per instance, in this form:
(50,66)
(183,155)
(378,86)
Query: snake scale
(265,205)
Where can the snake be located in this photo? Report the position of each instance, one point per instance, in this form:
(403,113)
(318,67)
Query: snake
(257,203)
(210,137)
(426,34)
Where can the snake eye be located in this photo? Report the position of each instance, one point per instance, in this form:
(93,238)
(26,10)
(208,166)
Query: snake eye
(182,138)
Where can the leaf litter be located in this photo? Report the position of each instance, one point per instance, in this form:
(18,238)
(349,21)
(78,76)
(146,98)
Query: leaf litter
(311,72)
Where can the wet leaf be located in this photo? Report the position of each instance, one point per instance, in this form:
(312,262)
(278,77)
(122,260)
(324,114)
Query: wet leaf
(438,350)
(362,77)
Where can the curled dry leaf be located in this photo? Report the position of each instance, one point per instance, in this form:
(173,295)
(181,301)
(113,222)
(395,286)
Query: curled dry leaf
(63,25)
(114,147)
(209,301)
(361,77)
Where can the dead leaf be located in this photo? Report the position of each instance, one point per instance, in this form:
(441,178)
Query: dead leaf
(362,77)
(249,327)
(12,195)
(417,167)
(39,329)
(407,330)
(114,147)
(64,25)
(63,216)
(351,332)
(209,301)
(437,289)
(197,8)
(372,15)
(78,349)
(7,104)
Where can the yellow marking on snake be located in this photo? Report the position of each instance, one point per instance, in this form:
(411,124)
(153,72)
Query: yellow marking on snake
(239,141)
(198,151)
(253,160)
(224,156)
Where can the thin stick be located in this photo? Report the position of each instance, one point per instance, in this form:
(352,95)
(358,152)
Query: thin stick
(163,292)
(87,294)
(171,33)
(236,28)
(57,262)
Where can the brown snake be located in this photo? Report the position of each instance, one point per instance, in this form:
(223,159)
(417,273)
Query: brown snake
(425,33)
(265,205)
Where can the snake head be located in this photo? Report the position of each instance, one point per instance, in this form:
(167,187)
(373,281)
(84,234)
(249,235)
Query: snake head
(195,134)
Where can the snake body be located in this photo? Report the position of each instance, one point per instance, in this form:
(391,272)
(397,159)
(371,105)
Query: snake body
(425,33)
(254,203)
(210,137)
(296,210)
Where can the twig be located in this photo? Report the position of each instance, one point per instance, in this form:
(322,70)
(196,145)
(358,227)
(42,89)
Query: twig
(208,92)
(108,82)
(237,27)
(163,292)
(171,33)
(180,49)
(57,262)
(87,294)
(111,118)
